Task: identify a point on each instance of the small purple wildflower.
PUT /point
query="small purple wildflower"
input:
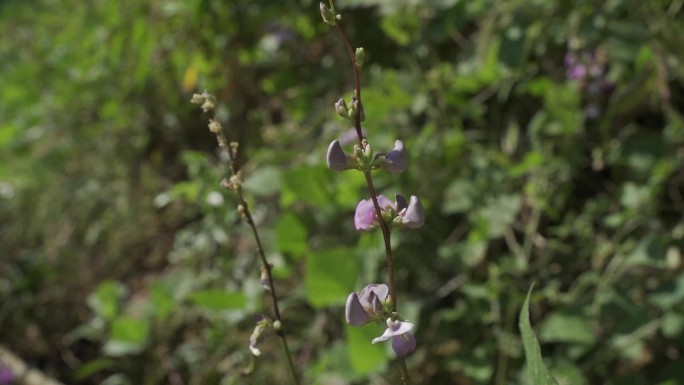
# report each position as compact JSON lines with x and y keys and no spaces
{"x":401,"y":213}
{"x":368,"y":306}
{"x":403,"y":341}
{"x":588,"y":70}
{"x":413,"y":216}
{"x":361,"y":308}
{"x":337,"y":159}
{"x":365,"y":217}
{"x":396,"y":160}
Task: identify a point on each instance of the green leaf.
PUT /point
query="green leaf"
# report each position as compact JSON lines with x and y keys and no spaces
{"x":330,"y":276}
{"x":128,"y":335}
{"x":292,"y":236}
{"x":365,"y":357}
{"x":537,"y":373}
{"x":88,"y":369}
{"x":264,"y":181}
{"x":560,"y":327}
{"x":162,"y":302}
{"x":307,"y":184}
{"x":213,"y":299}
{"x":105,"y":300}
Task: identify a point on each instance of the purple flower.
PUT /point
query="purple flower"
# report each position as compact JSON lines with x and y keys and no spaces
{"x":396,"y":160}
{"x":403,"y":341}
{"x":361,"y":308}
{"x":411,"y":215}
{"x":404,"y":344}
{"x":365,"y":217}
{"x":337,"y":159}
{"x":6,"y":376}
{"x":402,"y":213}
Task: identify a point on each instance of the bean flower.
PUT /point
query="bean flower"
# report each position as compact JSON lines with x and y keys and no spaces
{"x":402,"y":213}
{"x":369,"y":305}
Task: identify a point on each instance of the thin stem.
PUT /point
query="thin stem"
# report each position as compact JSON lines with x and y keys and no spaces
{"x":243,"y":209}
{"x":386,"y":235}
{"x":369,"y":179}
{"x":404,"y":371}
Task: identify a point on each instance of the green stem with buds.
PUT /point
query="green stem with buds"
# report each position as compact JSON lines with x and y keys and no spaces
{"x":371,"y":188}
{"x":235,"y":184}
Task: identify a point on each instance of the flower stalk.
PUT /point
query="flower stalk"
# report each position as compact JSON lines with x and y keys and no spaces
{"x":234,"y":183}
{"x":404,"y":343}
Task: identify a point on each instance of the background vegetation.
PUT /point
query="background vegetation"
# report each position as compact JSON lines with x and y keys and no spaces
{"x":123,"y":262}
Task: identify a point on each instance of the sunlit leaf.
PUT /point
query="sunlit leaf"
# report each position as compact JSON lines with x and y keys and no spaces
{"x":330,"y":276}
{"x":218,"y":299}
{"x":537,"y":372}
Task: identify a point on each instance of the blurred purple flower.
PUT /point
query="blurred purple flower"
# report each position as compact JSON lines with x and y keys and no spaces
{"x":574,"y":69}
{"x":403,"y":341}
{"x":6,"y":376}
{"x":589,"y":70}
{"x":362,"y":307}
{"x":350,"y":136}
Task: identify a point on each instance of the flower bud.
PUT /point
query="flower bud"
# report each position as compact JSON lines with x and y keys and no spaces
{"x":360,"y":56}
{"x":357,"y":106}
{"x":341,"y":108}
{"x":214,"y":126}
{"x":327,"y":14}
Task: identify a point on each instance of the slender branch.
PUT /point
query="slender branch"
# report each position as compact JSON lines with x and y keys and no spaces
{"x":235,"y":184}
{"x":246,"y":214}
{"x":386,"y":235}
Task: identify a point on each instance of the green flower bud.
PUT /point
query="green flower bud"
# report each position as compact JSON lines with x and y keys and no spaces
{"x":328,"y":15}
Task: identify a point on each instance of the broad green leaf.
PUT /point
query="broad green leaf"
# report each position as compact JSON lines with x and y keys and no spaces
{"x":364,"y":356}
{"x":307,"y":184}
{"x":291,"y":236}
{"x":264,"y":181}
{"x":330,"y":276}
{"x":105,"y":300}
{"x":213,"y":299}
{"x":127,"y":336}
{"x":537,"y":373}
{"x":92,"y":367}
{"x":560,"y":327}
{"x":162,"y":302}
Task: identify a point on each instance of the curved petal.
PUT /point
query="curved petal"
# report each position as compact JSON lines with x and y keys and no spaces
{"x":404,"y":344}
{"x":394,"y":328}
{"x":364,"y":216}
{"x":355,"y":313}
{"x":336,"y":158}
{"x":372,"y":295}
{"x":415,"y":214}
{"x":401,"y":202}
{"x":384,"y":202}
{"x":396,"y":160}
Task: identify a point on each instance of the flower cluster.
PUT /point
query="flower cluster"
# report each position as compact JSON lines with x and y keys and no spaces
{"x":588,"y":69}
{"x":371,"y":305}
{"x":398,"y":213}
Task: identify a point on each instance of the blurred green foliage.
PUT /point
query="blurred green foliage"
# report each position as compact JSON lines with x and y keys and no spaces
{"x":123,"y":262}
